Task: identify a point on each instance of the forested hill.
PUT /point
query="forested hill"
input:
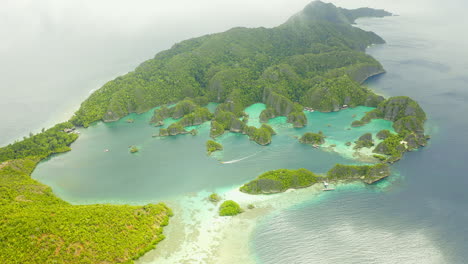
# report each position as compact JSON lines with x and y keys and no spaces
{"x":312,"y":49}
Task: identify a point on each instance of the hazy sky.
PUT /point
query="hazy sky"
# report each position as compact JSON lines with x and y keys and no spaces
{"x":53,"y":52}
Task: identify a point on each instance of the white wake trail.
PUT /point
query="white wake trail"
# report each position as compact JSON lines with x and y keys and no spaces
{"x":237,"y":160}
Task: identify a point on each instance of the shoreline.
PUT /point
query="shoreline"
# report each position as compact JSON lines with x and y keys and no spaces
{"x":197,"y":234}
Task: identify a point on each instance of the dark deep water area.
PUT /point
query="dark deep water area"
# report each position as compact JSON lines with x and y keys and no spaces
{"x":421,"y":218}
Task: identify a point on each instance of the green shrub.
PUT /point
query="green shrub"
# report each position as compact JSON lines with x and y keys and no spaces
{"x":214,"y":197}
{"x":229,"y":208}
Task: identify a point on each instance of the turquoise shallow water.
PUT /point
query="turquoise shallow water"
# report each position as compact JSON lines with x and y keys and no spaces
{"x":167,"y":167}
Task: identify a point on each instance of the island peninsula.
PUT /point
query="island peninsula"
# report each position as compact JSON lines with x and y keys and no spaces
{"x":313,"y":61}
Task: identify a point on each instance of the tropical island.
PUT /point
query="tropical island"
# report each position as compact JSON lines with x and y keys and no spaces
{"x":281,"y":180}
{"x":315,"y":60}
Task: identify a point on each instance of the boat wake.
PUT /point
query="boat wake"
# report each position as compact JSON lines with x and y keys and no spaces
{"x":237,"y":160}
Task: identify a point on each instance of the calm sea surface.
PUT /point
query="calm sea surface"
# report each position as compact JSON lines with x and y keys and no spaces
{"x":421,"y":218}
{"x":100,"y":168}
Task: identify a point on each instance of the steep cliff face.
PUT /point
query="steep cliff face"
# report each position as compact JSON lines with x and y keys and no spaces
{"x":398,"y":107}
{"x":413,"y":141}
{"x":331,"y":94}
{"x":361,"y":72}
{"x":199,"y":116}
{"x":279,"y":105}
{"x":409,"y":119}
{"x":160,"y":114}
{"x":181,"y":109}
{"x":383,"y":134}
{"x":406,"y":114}
{"x":409,"y":124}
{"x":267,"y":114}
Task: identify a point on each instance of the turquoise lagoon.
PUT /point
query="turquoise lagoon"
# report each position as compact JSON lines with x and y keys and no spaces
{"x":168,"y":167}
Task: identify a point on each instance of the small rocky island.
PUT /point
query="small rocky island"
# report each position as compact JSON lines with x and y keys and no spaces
{"x":212,"y":146}
{"x":364,"y":141}
{"x":312,"y":138}
{"x":278,"y":181}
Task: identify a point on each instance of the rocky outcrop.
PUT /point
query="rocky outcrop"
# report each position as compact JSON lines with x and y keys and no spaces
{"x":181,"y":109}
{"x":267,"y":114}
{"x":383,"y":134}
{"x":358,"y":123}
{"x":279,"y":105}
{"x":225,"y":121}
{"x":408,"y":121}
{"x":394,"y":146}
{"x":160,"y":114}
{"x":395,"y":108}
{"x":366,"y":174}
{"x":298,"y":119}
{"x":364,"y":141}
{"x":409,"y":124}
{"x":312,"y":138}
{"x":261,"y":136}
{"x":373,"y":100}
{"x":328,"y":95}
{"x":199,"y":116}
{"x":217,"y":129}
{"x":361,"y":72}
{"x":414,"y":141}
{"x":212,"y":146}
{"x":174,"y":130}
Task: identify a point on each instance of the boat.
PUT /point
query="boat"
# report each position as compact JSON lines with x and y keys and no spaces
{"x":325,"y":184}
{"x":106,"y":150}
